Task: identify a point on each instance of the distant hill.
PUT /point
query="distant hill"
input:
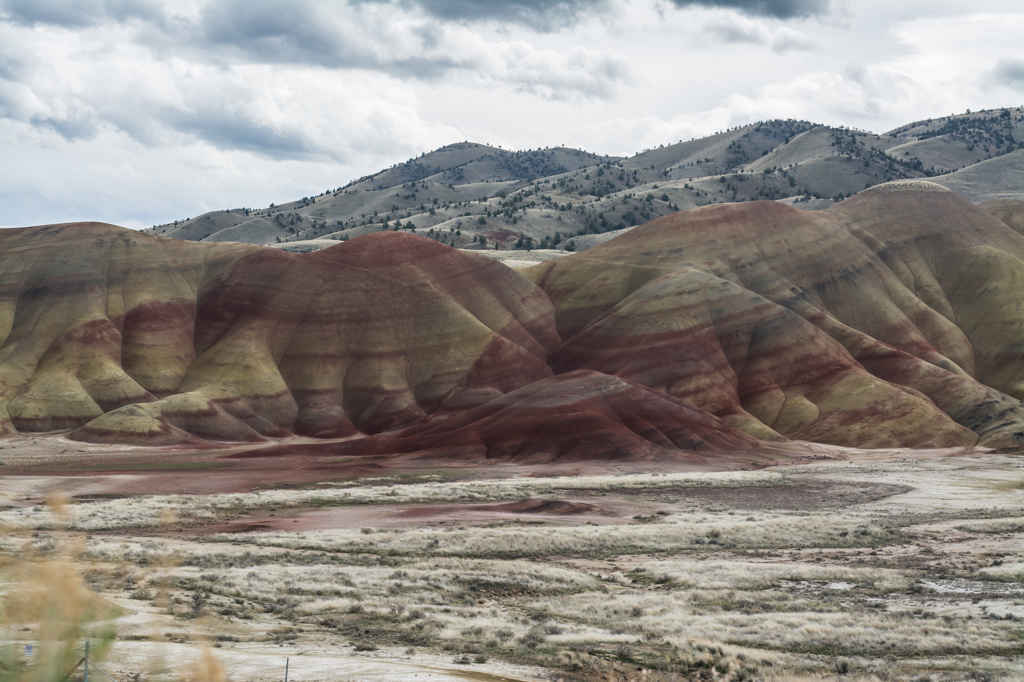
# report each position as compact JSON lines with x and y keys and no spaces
{"x":474,"y":196}
{"x":998,"y":178}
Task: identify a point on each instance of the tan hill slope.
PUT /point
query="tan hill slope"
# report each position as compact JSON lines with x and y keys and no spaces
{"x":891,"y":319}
{"x":988,"y":180}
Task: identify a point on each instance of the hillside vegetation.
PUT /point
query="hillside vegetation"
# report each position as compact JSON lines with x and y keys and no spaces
{"x":474,"y":196}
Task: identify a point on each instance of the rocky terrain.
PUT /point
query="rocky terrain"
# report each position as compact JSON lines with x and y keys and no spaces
{"x":892,"y":319}
{"x":474,"y":196}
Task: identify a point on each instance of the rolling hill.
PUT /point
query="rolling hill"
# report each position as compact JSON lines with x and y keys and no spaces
{"x":478,"y":197}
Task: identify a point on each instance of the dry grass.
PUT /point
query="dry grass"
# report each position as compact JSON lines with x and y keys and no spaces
{"x":49,"y":603}
{"x":673,"y":533}
{"x":43,"y":594}
{"x":876,"y":590}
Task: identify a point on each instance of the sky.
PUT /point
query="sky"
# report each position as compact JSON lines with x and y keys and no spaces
{"x":140,"y":112}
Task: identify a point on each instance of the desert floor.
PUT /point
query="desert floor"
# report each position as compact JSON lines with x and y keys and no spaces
{"x":846,"y":564}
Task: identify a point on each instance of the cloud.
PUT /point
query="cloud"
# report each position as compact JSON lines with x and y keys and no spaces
{"x":362,"y":35}
{"x":80,"y":84}
{"x":79,"y":13}
{"x":321,"y":82}
{"x":112,"y":177}
{"x":403,"y":38}
{"x":267,"y":19}
{"x":540,"y":15}
{"x":1009,"y":71}
{"x":731,"y":28}
{"x":786,"y":39}
{"x":779,"y":9}
{"x":548,"y":15}
{"x":854,"y":95}
{"x":387,"y":37}
{"x":231,"y":129}
{"x":579,"y":74}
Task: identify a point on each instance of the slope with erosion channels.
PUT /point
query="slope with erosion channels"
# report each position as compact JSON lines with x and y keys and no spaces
{"x":128,"y":337}
{"x":891,"y":319}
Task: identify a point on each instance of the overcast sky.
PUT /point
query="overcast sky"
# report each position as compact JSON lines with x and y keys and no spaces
{"x":138,"y":112}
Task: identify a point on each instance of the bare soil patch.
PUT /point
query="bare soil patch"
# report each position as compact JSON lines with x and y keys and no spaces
{"x":397,"y":516}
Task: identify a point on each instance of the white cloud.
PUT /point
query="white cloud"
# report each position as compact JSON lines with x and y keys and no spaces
{"x":580,"y":73}
{"x":735,"y":28}
{"x":114,"y":178}
{"x":786,"y":39}
{"x":947,"y":65}
{"x":730,"y":27}
{"x":80,"y":82}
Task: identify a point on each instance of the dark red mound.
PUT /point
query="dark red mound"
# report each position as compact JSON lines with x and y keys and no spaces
{"x":578,"y":416}
{"x":551,"y":507}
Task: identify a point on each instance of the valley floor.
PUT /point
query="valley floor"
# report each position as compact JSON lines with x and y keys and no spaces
{"x":854,"y":565}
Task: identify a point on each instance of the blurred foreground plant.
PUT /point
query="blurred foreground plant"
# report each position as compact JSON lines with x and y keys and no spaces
{"x":44,"y":602}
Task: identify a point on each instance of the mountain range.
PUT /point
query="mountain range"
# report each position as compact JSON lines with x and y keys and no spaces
{"x":474,"y":196}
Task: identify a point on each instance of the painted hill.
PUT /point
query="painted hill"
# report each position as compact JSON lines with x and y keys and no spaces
{"x":478,"y":197}
{"x":890,"y":319}
{"x":142,"y":339}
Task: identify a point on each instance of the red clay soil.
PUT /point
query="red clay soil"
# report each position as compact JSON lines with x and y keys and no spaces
{"x":376,"y":516}
{"x":96,"y":470}
{"x":552,"y":507}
